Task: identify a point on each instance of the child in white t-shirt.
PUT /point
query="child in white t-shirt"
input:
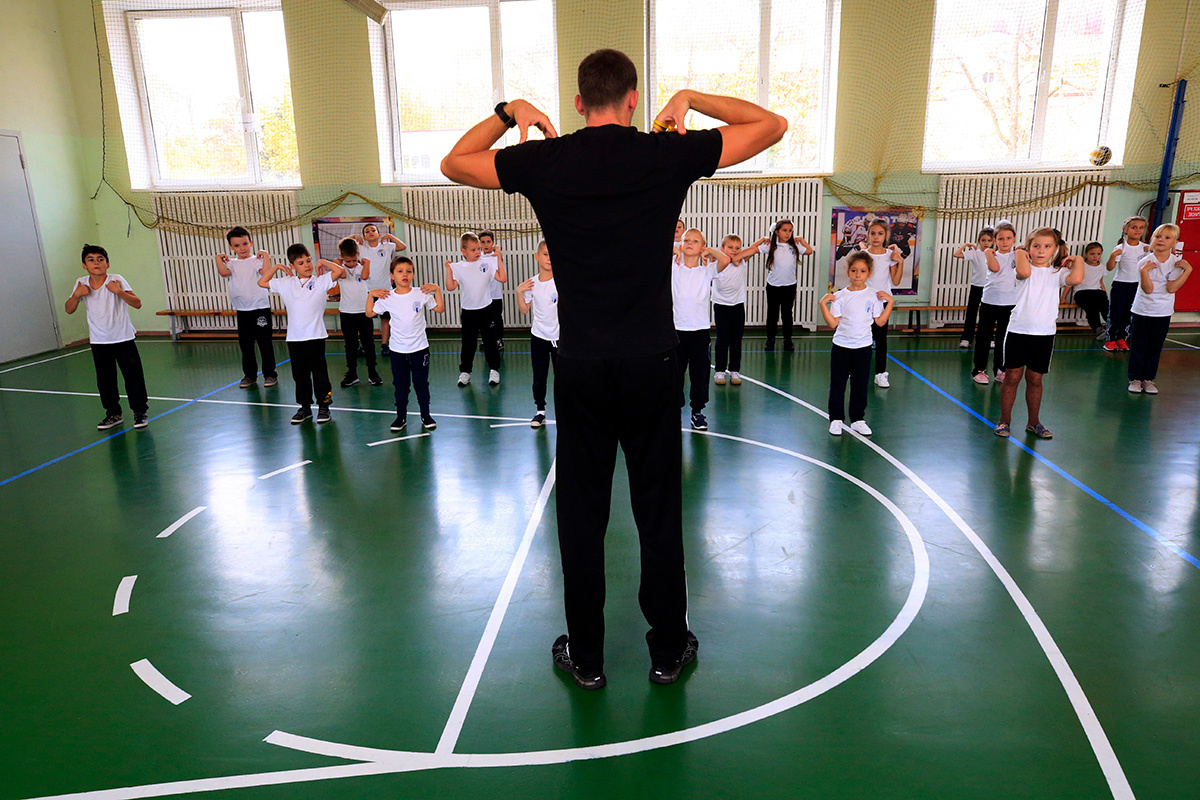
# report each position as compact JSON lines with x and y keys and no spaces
{"x":379,"y":248}
{"x":304,"y":292}
{"x":996,"y":303}
{"x":409,"y":346}
{"x":886,"y":272}
{"x":729,"y":310}
{"x":487,"y":241}
{"x":106,"y":297}
{"x":251,"y":303}
{"x":783,"y":256}
{"x":358,"y":332}
{"x":1089,"y":294}
{"x":1161,"y":274}
{"x":977,"y":261}
{"x":475,"y":275}
{"x":692,"y":273}
{"x":1042,"y":269}
{"x":540,"y":295}
{"x":1124,"y":258}
{"x":852,"y":312}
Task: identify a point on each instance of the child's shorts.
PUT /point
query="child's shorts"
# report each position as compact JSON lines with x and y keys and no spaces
{"x":1029,"y":351}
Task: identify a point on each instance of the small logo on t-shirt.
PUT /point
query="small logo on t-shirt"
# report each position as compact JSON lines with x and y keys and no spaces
{"x":553,"y":298}
{"x":416,"y":306}
{"x":483,"y":267}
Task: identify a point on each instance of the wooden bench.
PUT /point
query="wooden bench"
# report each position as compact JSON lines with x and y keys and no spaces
{"x":914,"y":313}
{"x":174,"y":313}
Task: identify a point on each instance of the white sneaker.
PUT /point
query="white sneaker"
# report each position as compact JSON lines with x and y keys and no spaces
{"x":464,"y":378}
{"x":860,"y":427}
{"x":1135,"y":387}
{"x":963,"y":344}
{"x":735,"y":378}
{"x":1149,"y":388}
{"x":835,"y":427}
{"x":719,"y":379}
{"x":999,"y":376}
{"x":881,"y":380}
{"x":494,"y":378}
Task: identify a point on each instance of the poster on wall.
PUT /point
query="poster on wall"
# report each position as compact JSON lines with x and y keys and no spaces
{"x":849,"y":232}
{"x":328,"y":231}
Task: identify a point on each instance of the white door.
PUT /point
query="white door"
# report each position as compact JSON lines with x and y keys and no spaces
{"x":27,"y":321}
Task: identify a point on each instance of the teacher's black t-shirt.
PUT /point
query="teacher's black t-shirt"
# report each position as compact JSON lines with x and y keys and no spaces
{"x":607,"y":199}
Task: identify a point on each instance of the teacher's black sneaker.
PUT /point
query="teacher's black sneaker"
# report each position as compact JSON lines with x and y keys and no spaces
{"x":111,"y":421}
{"x":769,"y":346}
{"x":539,"y":419}
{"x":305,"y":413}
{"x":699,"y":423}
{"x":373,"y":378}
{"x":427,"y":423}
{"x":669,"y":673}
{"x":399,"y":423}
{"x":350,"y":380}
{"x":561,"y":653}
{"x":323,"y":414}
{"x":141,"y":420}
{"x":270,"y":380}
{"x":246,"y":383}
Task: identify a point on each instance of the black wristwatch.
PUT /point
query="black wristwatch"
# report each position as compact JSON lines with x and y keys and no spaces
{"x":508,"y":121}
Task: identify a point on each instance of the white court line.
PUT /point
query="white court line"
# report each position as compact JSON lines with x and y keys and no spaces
{"x":45,"y":360}
{"x":158,"y":682}
{"x":1185,"y":344}
{"x":1118,"y":784}
{"x":397,"y":439}
{"x":285,"y":469}
{"x":517,"y":424}
{"x":466,"y":694}
{"x":177,"y":524}
{"x":124,"y":590}
{"x":89,"y":394}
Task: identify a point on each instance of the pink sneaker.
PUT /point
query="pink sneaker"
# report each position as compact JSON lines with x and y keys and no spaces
{"x":981,"y":378}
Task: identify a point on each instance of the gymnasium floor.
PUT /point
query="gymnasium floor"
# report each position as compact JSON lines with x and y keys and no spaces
{"x":934,"y":613}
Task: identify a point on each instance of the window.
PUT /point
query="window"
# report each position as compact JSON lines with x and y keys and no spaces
{"x":205,"y":95}
{"x":787,"y":62}
{"x":1030,"y":83}
{"x":446,"y":65}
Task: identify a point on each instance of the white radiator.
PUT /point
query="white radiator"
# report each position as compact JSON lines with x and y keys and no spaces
{"x":714,"y":208}
{"x":1079,"y":217}
{"x":189,"y":272}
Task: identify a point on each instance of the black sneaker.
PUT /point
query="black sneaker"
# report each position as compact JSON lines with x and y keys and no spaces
{"x":305,"y":413}
{"x":110,"y":421}
{"x":770,"y":345}
{"x":374,"y":379}
{"x":789,"y":346}
{"x":561,"y":654}
{"x":399,"y":423}
{"x":539,"y":419}
{"x":428,"y":423}
{"x":246,"y":383}
{"x":270,"y":380}
{"x":141,"y":420}
{"x":323,"y":414}
{"x":699,"y":423}
{"x":350,"y":380}
{"x":669,"y":673}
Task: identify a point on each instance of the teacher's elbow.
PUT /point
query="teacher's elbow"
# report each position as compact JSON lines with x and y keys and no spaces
{"x":781,"y":126}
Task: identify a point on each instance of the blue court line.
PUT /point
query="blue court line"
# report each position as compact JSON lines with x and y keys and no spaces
{"x":1137,"y":523}
{"x":122,"y":432}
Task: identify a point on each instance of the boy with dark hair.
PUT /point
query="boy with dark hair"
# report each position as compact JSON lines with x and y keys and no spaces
{"x":251,"y":303}
{"x":107,"y":299}
{"x":358,"y":332}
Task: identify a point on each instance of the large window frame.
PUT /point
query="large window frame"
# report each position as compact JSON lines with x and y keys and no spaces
{"x":387,"y":93}
{"x":129,"y":73}
{"x":827,"y":104}
{"x":1118,"y":88}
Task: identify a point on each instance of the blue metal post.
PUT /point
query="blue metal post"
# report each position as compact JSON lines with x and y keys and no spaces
{"x":1164,"y":180}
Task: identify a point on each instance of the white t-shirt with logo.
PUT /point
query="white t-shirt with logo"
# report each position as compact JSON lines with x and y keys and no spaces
{"x":729,"y":285}
{"x":305,"y":303}
{"x":1036,"y":310}
{"x":855,"y":311}
{"x":1160,"y":302}
{"x":244,"y":292}
{"x":1093,"y":278}
{"x":380,"y":258}
{"x":880,"y":279}
{"x":783,"y":267}
{"x":691,"y":288}
{"x":1001,"y":288}
{"x":543,"y":300}
{"x":107,"y":315}
{"x":979,"y":269}
{"x":496,"y":288}
{"x":1127,"y":262}
{"x":354,"y":290}
{"x":408,"y":319}
{"x":475,"y":278}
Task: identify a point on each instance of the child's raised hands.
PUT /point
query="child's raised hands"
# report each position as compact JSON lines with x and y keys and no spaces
{"x":431,"y":288}
{"x":263,"y":254}
{"x":81,"y":290}
{"x":223,"y":258}
{"x":114,"y":286}
{"x":895,"y":252}
{"x":527,"y":286}
{"x":378,"y":294}
{"x":829,"y":298}
{"x":884,"y":297}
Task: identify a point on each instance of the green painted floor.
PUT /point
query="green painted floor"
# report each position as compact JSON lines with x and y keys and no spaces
{"x":928,"y":616}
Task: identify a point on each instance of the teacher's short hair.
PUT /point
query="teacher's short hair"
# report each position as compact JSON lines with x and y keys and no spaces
{"x":605,"y":78}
